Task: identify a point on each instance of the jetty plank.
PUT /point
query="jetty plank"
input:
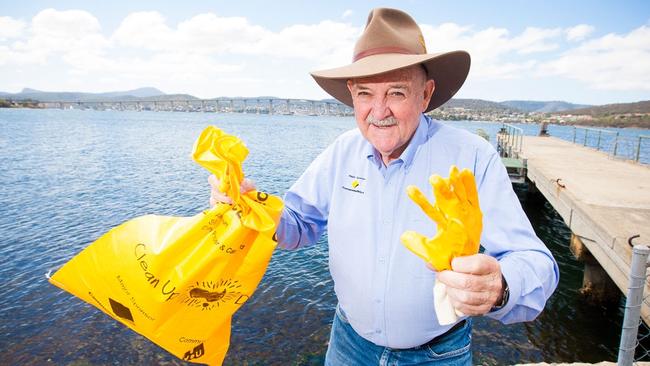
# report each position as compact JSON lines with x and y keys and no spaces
{"x":603,"y":200}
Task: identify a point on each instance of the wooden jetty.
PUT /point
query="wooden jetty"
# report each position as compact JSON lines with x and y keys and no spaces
{"x":605,"y":201}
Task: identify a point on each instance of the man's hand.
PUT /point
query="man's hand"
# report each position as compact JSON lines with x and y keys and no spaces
{"x":474,"y":284}
{"x":216,"y":196}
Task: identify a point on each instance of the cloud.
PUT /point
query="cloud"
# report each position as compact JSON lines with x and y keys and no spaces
{"x":534,"y":40}
{"x":10,"y":28}
{"x":68,"y":23}
{"x":211,"y":34}
{"x":612,"y":62}
{"x":496,"y":54}
{"x":220,"y":55}
{"x":204,"y":49}
{"x":53,"y":32}
{"x":347,"y":14}
{"x":579,"y":32}
{"x":146,"y":30}
{"x":616,"y":62}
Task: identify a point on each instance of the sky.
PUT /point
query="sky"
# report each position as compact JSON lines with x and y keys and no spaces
{"x":585,"y":52}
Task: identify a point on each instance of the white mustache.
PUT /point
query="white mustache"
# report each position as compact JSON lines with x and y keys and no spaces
{"x":388,"y":121}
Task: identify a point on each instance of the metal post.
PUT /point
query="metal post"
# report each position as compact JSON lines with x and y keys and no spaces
{"x":615,"y":143}
{"x":633,"y":305}
{"x":574,"y":134}
{"x":586,"y":132}
{"x":638,"y":150}
{"x":510,"y":137}
{"x":598,"y":146}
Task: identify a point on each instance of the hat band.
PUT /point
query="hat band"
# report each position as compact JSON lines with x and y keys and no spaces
{"x":379,"y":50}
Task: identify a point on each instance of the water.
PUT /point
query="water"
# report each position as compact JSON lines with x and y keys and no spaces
{"x":69,"y":176}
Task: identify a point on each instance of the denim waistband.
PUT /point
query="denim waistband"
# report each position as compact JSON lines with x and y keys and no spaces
{"x":341,"y":314}
{"x":437,"y":338}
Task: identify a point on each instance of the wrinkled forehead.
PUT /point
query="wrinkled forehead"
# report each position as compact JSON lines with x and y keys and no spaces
{"x":407,"y":74}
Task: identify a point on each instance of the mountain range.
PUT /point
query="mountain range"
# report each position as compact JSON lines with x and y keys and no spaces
{"x":515,"y":106}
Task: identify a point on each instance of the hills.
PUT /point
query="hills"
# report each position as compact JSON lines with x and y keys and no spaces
{"x":621,"y":114}
{"x":614,"y":115}
{"x":528,"y":106}
{"x":610,"y":109}
{"x":150,"y":93}
{"x":44,"y":96}
{"x":542,"y":107}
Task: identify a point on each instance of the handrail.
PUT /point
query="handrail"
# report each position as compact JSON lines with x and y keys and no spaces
{"x":631,"y":152}
{"x":512,"y":137}
{"x":600,"y":133}
{"x":638,"y":147}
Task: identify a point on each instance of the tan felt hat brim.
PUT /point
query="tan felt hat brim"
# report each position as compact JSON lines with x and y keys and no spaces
{"x":449,"y":71}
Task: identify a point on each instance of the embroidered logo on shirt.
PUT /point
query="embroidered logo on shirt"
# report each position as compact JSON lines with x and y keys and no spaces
{"x":355,"y":184}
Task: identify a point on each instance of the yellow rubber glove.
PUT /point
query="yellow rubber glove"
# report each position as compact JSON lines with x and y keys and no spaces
{"x":458,"y":217}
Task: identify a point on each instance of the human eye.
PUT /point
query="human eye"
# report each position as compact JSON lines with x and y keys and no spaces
{"x":362,"y":93}
{"x":397,"y":93}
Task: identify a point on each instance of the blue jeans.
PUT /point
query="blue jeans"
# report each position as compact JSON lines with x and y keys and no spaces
{"x":346,"y":347}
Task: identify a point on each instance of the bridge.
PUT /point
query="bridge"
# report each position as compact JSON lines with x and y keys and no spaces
{"x":220,"y":105}
{"x":603,"y":199}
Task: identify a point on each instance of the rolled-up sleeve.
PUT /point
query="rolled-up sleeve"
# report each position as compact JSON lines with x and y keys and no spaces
{"x":306,"y":204}
{"x":526,"y":263}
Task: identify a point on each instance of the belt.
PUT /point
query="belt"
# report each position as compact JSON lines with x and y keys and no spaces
{"x":436,"y":339}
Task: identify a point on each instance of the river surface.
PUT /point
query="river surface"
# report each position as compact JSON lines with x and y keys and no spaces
{"x":69,"y":176}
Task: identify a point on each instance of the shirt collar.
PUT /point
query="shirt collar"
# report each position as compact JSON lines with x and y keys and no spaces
{"x":419,"y":137}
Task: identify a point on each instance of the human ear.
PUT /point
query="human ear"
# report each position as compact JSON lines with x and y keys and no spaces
{"x":350,"y":84}
{"x":429,"y":87}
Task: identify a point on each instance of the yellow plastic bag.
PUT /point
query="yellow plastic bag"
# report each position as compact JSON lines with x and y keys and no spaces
{"x":459,"y":224}
{"x":178,"y":280}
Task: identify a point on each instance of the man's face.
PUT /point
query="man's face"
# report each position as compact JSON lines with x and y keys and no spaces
{"x":387,"y":108}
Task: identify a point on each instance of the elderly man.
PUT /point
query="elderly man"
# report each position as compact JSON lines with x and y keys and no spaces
{"x":356,"y":190}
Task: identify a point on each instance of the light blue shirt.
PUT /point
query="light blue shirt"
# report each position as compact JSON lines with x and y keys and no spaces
{"x":383,"y":288}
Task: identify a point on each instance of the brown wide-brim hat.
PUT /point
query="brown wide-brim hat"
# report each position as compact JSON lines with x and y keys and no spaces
{"x":392,"y":40}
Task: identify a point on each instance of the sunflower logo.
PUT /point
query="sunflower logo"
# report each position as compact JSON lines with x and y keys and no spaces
{"x":355,"y":183}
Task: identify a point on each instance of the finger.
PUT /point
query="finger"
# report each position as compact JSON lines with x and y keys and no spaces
{"x":469,"y":297}
{"x":421,"y":200}
{"x":416,"y":243}
{"x":441,"y":190}
{"x":219,"y":197}
{"x":247,"y":185}
{"x":463,"y":298}
{"x":469,"y":183}
{"x":457,"y":184}
{"x":468,"y":283}
{"x":469,"y":309}
{"x":217,"y":184}
{"x":457,"y":280}
{"x":479,"y":264}
{"x":471,"y":302}
{"x":214,"y":182}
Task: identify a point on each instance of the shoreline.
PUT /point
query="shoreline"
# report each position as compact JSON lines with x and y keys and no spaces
{"x":643,"y":125}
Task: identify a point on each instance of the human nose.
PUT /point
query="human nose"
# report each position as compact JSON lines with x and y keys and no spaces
{"x":380,"y":109}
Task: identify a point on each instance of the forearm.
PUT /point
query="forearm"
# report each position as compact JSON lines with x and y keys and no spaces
{"x":532,"y":276}
{"x":297,"y":230}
